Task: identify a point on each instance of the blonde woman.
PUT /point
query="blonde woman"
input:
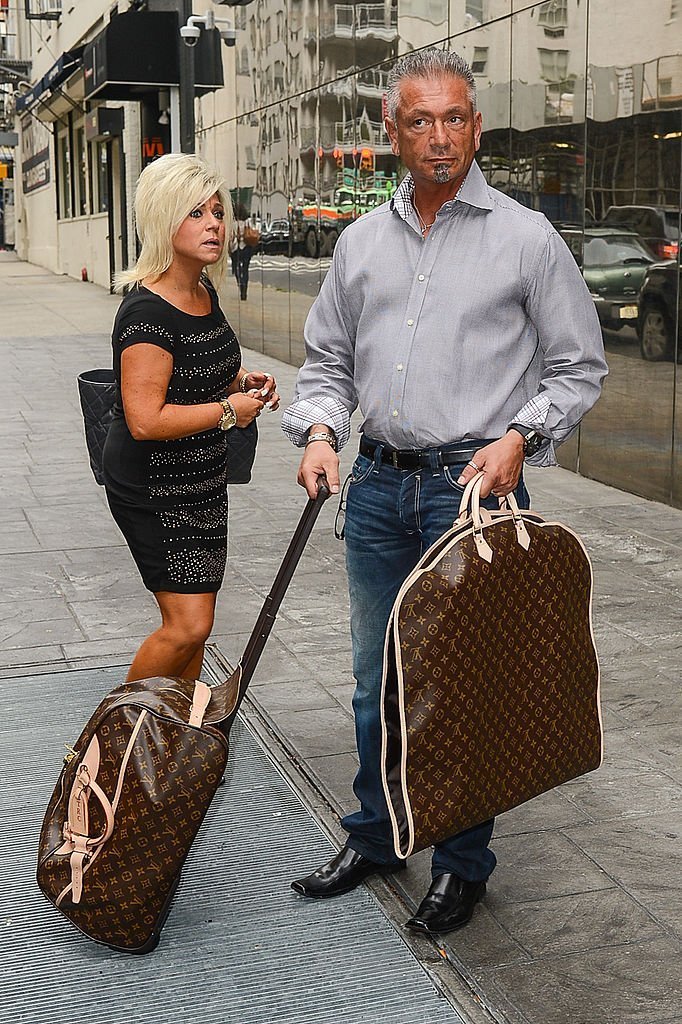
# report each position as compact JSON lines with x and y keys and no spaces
{"x":181,"y":384}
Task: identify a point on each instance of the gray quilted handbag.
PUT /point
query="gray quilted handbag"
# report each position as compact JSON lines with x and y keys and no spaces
{"x":97,"y":390}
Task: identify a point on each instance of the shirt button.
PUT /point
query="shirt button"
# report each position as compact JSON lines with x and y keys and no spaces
{"x":399,"y":366}
{"x":395,"y":412}
{"x":410,"y":323}
{"x":421,"y":277}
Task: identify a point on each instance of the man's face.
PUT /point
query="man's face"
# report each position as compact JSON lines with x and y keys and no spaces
{"x":436,"y":133}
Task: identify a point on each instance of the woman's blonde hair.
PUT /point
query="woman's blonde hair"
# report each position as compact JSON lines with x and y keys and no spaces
{"x":167,"y":191}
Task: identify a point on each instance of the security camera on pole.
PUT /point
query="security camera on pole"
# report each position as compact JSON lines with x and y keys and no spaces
{"x":182,"y":111}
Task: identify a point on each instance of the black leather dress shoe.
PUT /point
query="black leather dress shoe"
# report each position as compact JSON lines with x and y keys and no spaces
{"x":449,"y":904}
{"x":344,"y":872}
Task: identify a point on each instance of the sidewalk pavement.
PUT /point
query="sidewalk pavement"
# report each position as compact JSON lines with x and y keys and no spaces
{"x":582,"y":922}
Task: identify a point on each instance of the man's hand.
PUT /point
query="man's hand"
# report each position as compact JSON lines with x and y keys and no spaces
{"x":319,"y":457}
{"x":501,"y":462}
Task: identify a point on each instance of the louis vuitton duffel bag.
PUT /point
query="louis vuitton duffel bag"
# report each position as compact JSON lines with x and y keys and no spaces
{"x":136,"y":786}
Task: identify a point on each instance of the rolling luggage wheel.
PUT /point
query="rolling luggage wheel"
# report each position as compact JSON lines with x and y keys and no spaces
{"x":153,"y":940}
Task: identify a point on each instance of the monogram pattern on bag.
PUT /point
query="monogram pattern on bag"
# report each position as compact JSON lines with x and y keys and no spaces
{"x":500,"y":679}
{"x":172,"y":775}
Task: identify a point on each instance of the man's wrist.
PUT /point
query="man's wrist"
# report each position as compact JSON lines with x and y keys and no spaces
{"x":520,"y":428}
{"x":515,"y":435}
{"x":321,"y":432}
{"x":532,"y":441}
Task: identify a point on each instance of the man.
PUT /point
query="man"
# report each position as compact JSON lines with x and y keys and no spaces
{"x":459,"y":322}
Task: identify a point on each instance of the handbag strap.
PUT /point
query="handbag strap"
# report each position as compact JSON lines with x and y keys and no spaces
{"x":470,"y":504}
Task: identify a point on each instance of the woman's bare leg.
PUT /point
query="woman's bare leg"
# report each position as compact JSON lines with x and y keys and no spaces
{"x":177,"y":647}
{"x":193,"y":668}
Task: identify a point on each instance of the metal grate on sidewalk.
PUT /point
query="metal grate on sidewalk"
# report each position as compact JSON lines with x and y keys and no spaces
{"x":239,"y":946}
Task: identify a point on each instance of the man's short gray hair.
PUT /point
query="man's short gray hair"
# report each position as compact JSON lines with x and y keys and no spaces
{"x":427,"y":63}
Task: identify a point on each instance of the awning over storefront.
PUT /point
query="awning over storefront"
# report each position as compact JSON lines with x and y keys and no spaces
{"x":137,"y":53}
{"x":62,"y":69}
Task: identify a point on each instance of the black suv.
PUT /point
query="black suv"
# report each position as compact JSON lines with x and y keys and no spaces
{"x":660,"y":314}
{"x":658,"y":226}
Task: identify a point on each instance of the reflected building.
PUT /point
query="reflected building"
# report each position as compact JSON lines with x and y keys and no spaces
{"x":582,"y":113}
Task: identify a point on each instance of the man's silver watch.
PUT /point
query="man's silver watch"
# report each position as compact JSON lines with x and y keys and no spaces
{"x":532,"y":441}
{"x":229,"y":416}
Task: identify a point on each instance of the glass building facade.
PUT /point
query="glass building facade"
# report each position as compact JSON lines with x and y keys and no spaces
{"x":582,"y":116}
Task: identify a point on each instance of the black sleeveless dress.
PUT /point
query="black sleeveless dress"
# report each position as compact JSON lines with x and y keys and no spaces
{"x":169,"y":498}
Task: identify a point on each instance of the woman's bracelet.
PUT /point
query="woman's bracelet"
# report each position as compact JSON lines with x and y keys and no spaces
{"x":242,"y":383}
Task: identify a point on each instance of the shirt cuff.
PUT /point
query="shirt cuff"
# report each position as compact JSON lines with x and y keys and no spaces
{"x":534,"y":413}
{"x":302,"y":415}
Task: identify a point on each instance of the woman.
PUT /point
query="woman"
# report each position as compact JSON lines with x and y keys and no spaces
{"x":177,"y":363}
{"x":242,"y":248}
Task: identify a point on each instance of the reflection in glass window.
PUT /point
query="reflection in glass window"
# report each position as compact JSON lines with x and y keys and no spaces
{"x":433,"y":11}
{"x":605,"y":252}
{"x":553,"y":16}
{"x":553,"y":64}
{"x":279,"y":77}
{"x":81,"y":173}
{"x":474,"y":8}
{"x":480,"y":60}
{"x":64,"y":170}
{"x":102,"y":177}
{"x":98,"y":177}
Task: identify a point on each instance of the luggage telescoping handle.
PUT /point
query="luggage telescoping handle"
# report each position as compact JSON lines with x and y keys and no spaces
{"x":268,"y":613}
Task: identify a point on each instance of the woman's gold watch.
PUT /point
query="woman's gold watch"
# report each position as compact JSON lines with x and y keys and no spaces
{"x":229,"y":416}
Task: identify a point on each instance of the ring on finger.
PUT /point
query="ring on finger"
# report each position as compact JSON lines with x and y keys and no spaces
{"x":472,"y":463}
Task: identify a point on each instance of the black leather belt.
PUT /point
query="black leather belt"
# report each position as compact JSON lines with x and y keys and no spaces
{"x":421,"y":458}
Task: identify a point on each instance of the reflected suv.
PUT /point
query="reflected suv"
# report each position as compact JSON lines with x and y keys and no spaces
{"x":658,"y":226}
{"x":613,"y":264}
{"x":659,"y":311}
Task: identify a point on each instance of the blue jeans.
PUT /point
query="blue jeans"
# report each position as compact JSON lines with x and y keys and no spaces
{"x":392,"y":517}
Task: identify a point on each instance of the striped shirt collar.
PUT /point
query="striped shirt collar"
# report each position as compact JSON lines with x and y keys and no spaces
{"x":473,"y":191}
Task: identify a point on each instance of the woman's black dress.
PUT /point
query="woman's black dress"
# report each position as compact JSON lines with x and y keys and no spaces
{"x":169,"y":498}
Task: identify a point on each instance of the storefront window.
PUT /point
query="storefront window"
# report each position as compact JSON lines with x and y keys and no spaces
{"x":64,"y":172}
{"x":98,"y":177}
{"x":80,"y":161}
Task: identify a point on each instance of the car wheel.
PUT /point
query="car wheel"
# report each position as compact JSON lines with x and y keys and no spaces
{"x":656,"y":338}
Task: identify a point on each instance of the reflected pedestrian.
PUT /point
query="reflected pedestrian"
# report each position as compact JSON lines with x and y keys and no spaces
{"x":244,"y":240}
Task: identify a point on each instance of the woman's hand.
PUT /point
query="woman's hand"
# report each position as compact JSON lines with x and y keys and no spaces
{"x":265,"y":385}
{"x":246,"y":408}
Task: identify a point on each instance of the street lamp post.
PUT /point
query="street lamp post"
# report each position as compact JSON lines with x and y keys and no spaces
{"x":184,"y":109}
{"x":182,"y":100}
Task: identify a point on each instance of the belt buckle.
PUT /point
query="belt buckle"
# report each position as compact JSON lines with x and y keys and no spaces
{"x":394,"y":460}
